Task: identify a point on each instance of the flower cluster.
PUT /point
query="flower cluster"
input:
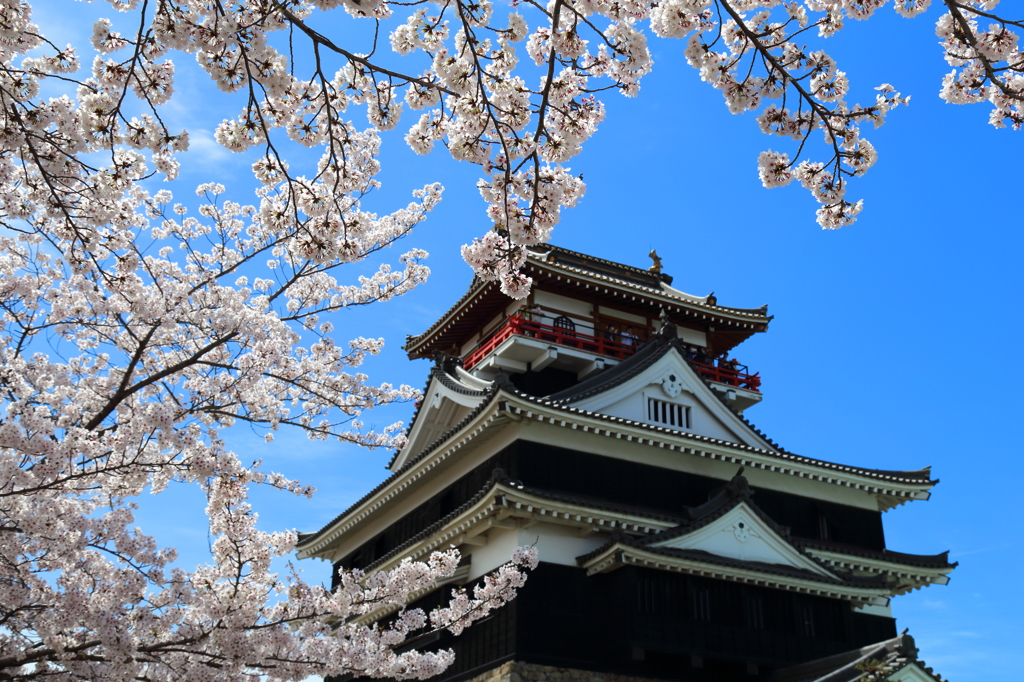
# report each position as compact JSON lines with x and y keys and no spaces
{"x":132,"y":333}
{"x":521,"y":122}
{"x":169,"y":330}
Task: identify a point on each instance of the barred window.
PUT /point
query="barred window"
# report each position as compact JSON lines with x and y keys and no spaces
{"x":700,"y":603}
{"x":669,"y":414}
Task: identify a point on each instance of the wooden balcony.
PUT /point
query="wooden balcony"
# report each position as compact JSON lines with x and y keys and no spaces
{"x":617,"y":346}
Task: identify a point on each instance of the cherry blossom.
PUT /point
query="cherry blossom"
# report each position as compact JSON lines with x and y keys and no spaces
{"x":135,"y":330}
{"x":520,"y":121}
{"x":164,"y":329}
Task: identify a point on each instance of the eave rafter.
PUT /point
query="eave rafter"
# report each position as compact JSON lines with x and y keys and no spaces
{"x":908,"y":577}
{"x":428,"y":465}
{"x":618,"y":555}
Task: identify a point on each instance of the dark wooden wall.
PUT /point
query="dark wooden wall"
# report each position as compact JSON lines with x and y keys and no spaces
{"x":647,"y":623}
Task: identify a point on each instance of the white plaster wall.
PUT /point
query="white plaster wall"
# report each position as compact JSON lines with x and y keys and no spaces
{"x":692,"y":336}
{"x":556,"y":544}
{"x":564,"y":303}
{"x":468,"y":346}
{"x":754,"y":549}
{"x":874,"y":610}
{"x":630,"y":407}
{"x":707,"y":424}
{"x":631,"y":317}
{"x":498,"y":550}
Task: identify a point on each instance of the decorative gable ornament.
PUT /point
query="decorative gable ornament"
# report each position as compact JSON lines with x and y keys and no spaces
{"x":672,"y":385}
{"x":742,"y":531}
{"x":741,"y":534}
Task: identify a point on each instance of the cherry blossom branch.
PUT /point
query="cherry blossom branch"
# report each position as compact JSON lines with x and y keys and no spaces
{"x":967,"y":35}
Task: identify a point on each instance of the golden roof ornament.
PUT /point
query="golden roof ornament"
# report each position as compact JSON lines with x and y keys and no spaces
{"x":656,"y":268}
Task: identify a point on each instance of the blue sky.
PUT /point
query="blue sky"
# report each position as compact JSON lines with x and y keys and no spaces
{"x":895,"y":343}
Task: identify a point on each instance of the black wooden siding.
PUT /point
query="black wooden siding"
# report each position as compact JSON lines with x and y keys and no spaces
{"x":648,"y":623}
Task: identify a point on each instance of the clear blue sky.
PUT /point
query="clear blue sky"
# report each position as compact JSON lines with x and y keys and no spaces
{"x":896,"y":342}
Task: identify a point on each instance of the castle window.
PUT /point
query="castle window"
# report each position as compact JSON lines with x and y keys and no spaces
{"x":805,"y":619}
{"x":669,"y":414}
{"x":754,"y":612}
{"x":701,"y":603}
{"x":823,"y":527}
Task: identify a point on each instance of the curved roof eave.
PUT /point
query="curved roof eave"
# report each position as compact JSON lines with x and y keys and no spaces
{"x":308,"y":539}
{"x":500,"y":393}
{"x":663,"y":294}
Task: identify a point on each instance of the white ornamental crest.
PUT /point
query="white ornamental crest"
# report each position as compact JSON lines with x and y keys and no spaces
{"x":671,"y":385}
{"x":742,"y":530}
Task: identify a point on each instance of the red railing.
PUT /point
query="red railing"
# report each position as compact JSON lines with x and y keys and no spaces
{"x":727,"y":376}
{"x":522,"y":326}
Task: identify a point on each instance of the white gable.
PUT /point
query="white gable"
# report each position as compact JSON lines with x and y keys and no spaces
{"x":442,"y":409}
{"x":670,"y":381}
{"x":741,"y":534}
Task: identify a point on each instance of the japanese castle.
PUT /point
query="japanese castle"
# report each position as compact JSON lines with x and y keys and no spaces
{"x":604,"y":421}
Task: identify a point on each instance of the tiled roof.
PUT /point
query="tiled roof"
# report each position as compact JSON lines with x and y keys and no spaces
{"x":499,"y":476}
{"x":916,"y":560}
{"x":602,"y":505}
{"x":555,"y":259}
{"x":491,"y":487}
{"x":877,"y":582}
{"x":735,"y":492}
{"x":650,"y":352}
{"x":920,"y":477}
{"x":598,"y":266}
{"x":894,"y":655}
{"x":309,"y":537}
{"x":475,"y":286}
{"x":502,"y":384}
{"x":443,"y":364}
{"x":632,"y":278}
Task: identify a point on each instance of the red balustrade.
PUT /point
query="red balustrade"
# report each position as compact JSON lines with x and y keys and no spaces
{"x":730,"y":377}
{"x":522,"y":326}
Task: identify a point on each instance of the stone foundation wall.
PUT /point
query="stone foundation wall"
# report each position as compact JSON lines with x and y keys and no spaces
{"x":514,"y":671}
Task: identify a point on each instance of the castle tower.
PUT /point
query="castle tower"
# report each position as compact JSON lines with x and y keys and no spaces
{"x":603,"y":420}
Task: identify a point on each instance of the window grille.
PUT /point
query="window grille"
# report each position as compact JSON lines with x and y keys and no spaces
{"x":701,"y":603}
{"x":565,"y":324}
{"x":670,"y":414}
{"x":754,"y":612}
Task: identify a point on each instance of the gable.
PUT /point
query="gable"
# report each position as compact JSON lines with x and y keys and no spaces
{"x":742,"y":534}
{"x":442,"y":409}
{"x":669,"y":393}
